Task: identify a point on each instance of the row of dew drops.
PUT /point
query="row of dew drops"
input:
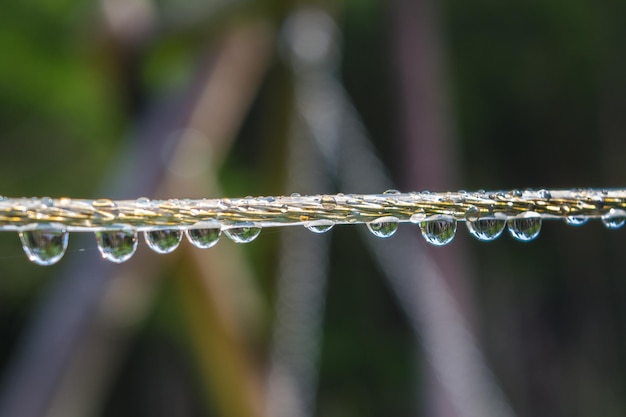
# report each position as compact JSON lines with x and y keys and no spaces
{"x":46,"y":246}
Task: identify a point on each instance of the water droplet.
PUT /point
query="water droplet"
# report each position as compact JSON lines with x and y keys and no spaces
{"x":320,"y":226}
{"x":526,"y":228}
{"x":204,"y":238}
{"x":576,"y":220}
{"x":328,"y":202}
{"x":103,"y":203}
{"x":545,"y":194}
{"x":47,"y":202}
{"x":517,"y":193}
{"x":44,"y":246}
{"x":143,"y":202}
{"x":296,"y":195}
{"x":486,"y":228}
{"x":105,"y":208}
{"x":472,"y":213}
{"x":284,"y":208}
{"x":243,"y":233}
{"x":384,"y":226}
{"x":439,"y":231}
{"x":163,"y":240}
{"x":598,"y":202}
{"x":418,"y":216}
{"x":391,"y":191}
{"x":117,"y":245}
{"x":614,"y":219}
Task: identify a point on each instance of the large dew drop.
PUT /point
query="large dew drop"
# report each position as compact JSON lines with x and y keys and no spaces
{"x":44,"y":246}
{"x":384,"y":226}
{"x":614,"y":219}
{"x":163,"y":240}
{"x":440,"y":231}
{"x":486,"y":229}
{"x":320,"y":226}
{"x":204,"y":238}
{"x":243,"y":233}
{"x":117,"y":245}
{"x":525,"y":229}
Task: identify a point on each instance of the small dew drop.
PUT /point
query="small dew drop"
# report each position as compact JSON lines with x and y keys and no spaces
{"x":243,"y":233}
{"x":44,"y":246}
{"x":384,"y":226}
{"x":204,"y":238}
{"x":472,"y":213}
{"x":576,"y":220}
{"x":163,"y":240}
{"x":47,"y":202}
{"x":418,"y":216}
{"x":440,"y":231}
{"x":143,"y":202}
{"x":320,"y":226}
{"x":117,"y":245}
{"x":486,"y":228}
{"x":328,"y":202}
{"x":614,"y":219}
{"x":545,"y":194}
{"x":103,"y":203}
{"x":105,"y":208}
{"x":392,"y":191}
{"x":525,"y":229}
{"x":296,"y":195}
{"x":517,"y":193}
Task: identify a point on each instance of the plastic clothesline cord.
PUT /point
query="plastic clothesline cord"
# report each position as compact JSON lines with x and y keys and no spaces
{"x":80,"y":215}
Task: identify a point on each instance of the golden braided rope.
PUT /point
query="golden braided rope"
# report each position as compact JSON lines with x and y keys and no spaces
{"x":79,"y":215}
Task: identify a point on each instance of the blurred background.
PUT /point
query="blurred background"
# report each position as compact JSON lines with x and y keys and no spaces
{"x":214,"y":98}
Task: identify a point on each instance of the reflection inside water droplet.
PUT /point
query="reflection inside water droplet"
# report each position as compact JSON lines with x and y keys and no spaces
{"x":204,"y":238}
{"x":526,"y":228}
{"x":486,"y":228}
{"x":44,"y":246}
{"x":117,"y":245}
{"x":384,"y":226}
{"x":319,"y":226}
{"x":163,"y":240}
{"x":576,"y":220}
{"x":243,"y":233}
{"x":614,"y":219}
{"x":439,"y":231}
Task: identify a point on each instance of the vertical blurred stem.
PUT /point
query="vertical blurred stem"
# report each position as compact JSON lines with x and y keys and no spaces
{"x":220,"y":354}
{"x":429,"y":160}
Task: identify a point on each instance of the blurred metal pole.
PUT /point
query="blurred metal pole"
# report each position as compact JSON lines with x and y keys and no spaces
{"x":301,"y":281}
{"x":434,"y":314}
{"x":425,"y":147}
